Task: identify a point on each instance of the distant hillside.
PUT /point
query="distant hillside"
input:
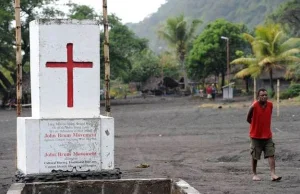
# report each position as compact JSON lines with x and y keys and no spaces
{"x":250,"y":12}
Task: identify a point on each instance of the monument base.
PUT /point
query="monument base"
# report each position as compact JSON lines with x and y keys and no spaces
{"x":128,"y":186}
{"x":64,"y":176}
{"x":69,"y":145}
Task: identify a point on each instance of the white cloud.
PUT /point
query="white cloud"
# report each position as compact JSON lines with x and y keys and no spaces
{"x":127,"y":10}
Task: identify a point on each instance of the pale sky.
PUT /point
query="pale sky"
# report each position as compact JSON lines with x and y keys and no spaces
{"x":128,"y":10}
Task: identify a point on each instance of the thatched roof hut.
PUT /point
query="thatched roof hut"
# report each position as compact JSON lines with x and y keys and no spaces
{"x":170,"y":83}
{"x":151,"y":84}
{"x":156,"y":83}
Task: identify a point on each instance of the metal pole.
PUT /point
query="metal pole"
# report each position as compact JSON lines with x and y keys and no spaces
{"x":18,"y":57}
{"x":106,"y":59}
{"x":278,"y":95}
{"x":228,"y":68}
{"x":228,"y":71}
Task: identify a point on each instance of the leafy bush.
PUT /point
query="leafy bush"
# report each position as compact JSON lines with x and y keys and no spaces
{"x":292,"y":91}
{"x":119,"y":92}
{"x":271,"y":93}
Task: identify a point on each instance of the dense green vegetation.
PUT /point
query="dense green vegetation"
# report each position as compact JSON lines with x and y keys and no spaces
{"x":292,"y":91}
{"x":248,"y":12}
{"x":272,"y":50}
{"x":209,"y":50}
{"x":30,"y":10}
{"x":179,"y":34}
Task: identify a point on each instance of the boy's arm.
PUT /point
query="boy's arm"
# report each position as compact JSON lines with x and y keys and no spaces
{"x":249,"y":115}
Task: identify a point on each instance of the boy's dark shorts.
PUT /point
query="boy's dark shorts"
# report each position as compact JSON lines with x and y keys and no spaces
{"x":262,"y":145}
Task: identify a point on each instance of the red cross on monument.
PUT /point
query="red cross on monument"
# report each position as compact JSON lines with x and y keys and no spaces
{"x":70,"y":65}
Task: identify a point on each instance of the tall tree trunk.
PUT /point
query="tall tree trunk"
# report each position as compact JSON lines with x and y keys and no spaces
{"x":182,"y":59}
{"x":223,"y":79}
{"x":246,"y":79}
{"x":271,"y":81}
{"x":185,"y":77}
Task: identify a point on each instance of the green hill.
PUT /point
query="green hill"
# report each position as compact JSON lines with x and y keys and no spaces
{"x":250,"y":12}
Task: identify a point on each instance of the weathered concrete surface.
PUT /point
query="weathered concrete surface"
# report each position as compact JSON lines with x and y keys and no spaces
{"x":17,"y":188}
{"x":126,"y":186}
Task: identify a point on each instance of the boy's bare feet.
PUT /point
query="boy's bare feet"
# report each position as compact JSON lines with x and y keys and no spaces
{"x":275,"y":178}
{"x":256,"y":178}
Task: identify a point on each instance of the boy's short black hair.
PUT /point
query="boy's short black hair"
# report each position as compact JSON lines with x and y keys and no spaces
{"x":260,"y":90}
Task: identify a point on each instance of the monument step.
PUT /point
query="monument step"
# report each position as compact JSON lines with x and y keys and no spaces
{"x":67,"y":175}
{"x":126,"y":186}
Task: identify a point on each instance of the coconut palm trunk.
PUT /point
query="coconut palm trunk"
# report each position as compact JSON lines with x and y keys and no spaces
{"x":246,"y":80}
{"x":182,"y":60}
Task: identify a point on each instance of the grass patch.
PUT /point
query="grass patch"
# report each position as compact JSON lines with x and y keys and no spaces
{"x":245,"y":104}
{"x":290,"y":102}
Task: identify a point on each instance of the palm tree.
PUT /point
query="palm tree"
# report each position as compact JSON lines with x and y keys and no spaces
{"x":178,"y":33}
{"x":271,"y":49}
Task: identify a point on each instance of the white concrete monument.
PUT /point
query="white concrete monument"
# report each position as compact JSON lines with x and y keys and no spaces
{"x":66,"y":131}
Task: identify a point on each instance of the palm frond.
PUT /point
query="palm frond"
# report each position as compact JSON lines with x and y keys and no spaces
{"x":267,"y":60}
{"x":290,"y":52}
{"x":291,"y":59}
{"x":244,"y":61}
{"x":243,"y":73}
{"x":275,"y":41}
{"x":252,"y":70}
{"x":262,"y":42}
{"x":290,"y":43}
{"x":178,"y":33}
{"x":260,"y":48}
{"x":194,"y":25}
{"x":255,"y":70}
{"x":248,"y":37}
{"x":167,"y":37}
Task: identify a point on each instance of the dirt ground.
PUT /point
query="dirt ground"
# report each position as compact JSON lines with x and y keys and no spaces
{"x":189,"y":139}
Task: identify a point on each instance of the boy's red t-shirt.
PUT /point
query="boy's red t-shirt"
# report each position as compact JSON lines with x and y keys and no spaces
{"x":260,"y":126}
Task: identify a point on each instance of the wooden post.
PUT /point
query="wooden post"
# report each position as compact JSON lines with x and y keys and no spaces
{"x":228,"y":65}
{"x":106,"y":59}
{"x":254,"y":89}
{"x":278,"y":96}
{"x":18,"y":57}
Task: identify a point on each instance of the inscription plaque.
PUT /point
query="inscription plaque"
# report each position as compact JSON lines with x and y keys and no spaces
{"x":70,"y":145}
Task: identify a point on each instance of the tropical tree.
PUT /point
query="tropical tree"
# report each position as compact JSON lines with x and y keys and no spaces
{"x":169,"y":65}
{"x":81,"y":12}
{"x":6,"y":47}
{"x":179,"y":33}
{"x":124,"y":44}
{"x":30,"y":10}
{"x":208,"y":55}
{"x":271,"y":50}
{"x":144,"y":65}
